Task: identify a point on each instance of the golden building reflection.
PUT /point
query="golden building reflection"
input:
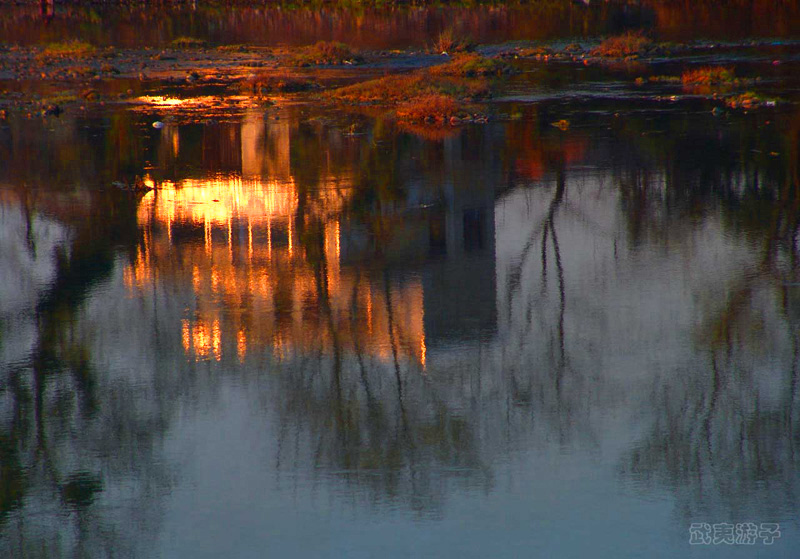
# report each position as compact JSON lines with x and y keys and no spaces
{"x":258,"y":283}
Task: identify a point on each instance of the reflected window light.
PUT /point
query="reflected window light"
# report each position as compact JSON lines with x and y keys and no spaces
{"x":241,"y":345}
{"x":216,"y":340}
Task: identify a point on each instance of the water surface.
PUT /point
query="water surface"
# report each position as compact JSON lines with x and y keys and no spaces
{"x":324,"y":335}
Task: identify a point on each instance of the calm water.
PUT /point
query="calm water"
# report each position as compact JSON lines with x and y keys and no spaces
{"x":323,"y":336}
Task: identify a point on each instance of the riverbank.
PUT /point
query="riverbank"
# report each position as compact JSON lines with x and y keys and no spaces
{"x":451,"y":82}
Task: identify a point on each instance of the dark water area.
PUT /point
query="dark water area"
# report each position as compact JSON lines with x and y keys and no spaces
{"x":399,"y":27}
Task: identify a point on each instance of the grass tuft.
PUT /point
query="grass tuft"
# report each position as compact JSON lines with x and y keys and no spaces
{"x":470,"y":65}
{"x":460,"y":78}
{"x":188,"y":43}
{"x":405,"y":87}
{"x":621,"y":46}
{"x":449,"y":41}
{"x":69,"y":48}
{"x":324,"y":52}
{"x":429,"y":108}
{"x":437,"y":95}
{"x":708,"y":75}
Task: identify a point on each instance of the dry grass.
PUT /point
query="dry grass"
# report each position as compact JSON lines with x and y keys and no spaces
{"x":450,"y":41}
{"x":324,"y":52}
{"x":188,"y":43}
{"x":429,"y":108}
{"x":540,"y":51}
{"x":233,"y":48}
{"x":621,"y":46}
{"x":69,"y":48}
{"x":709,"y":75}
{"x":470,"y":65}
{"x":430,"y":96}
{"x":405,"y":87}
{"x":460,"y":78}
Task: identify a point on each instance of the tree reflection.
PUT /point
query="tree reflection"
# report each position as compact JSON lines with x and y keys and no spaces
{"x":63,"y":419}
{"x":724,"y":435}
{"x":376,"y":422}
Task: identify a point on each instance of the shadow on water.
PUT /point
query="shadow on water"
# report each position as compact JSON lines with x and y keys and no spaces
{"x":408,"y":315}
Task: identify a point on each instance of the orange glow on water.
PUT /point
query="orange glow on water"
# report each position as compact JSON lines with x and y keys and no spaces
{"x":256,"y":277}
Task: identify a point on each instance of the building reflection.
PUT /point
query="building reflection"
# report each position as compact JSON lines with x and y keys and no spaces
{"x":278,"y":261}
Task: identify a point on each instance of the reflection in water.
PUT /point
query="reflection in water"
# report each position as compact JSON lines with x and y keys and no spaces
{"x":237,"y":242}
{"x":283,"y":262}
{"x":412,"y":323}
{"x":724,"y":436}
{"x":70,"y":432}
